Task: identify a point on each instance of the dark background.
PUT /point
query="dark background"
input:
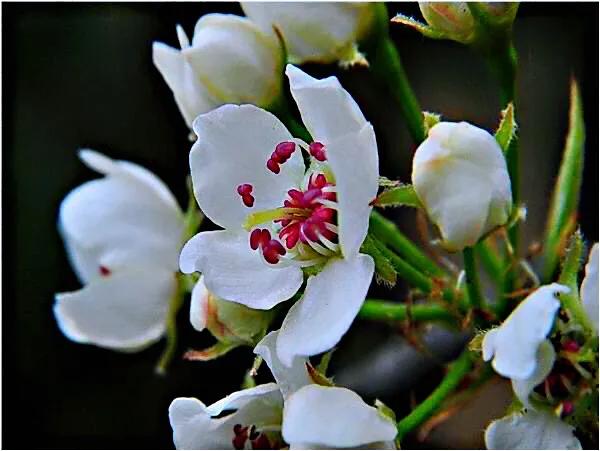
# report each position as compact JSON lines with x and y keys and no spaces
{"x":81,"y":75}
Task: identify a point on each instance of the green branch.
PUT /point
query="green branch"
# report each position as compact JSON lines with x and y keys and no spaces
{"x":380,"y":310}
{"x":457,"y":370}
{"x":473,"y":283}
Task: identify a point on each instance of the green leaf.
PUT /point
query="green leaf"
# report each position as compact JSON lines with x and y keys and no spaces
{"x":403,"y":195}
{"x":565,"y":198}
{"x":219,"y":349}
{"x":422,"y":28}
{"x":507,"y":128}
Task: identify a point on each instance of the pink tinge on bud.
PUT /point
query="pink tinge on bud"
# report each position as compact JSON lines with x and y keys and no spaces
{"x":104,"y":271}
{"x":317,"y":150}
{"x":571,"y":346}
{"x":245,"y":191}
{"x":567,"y":407}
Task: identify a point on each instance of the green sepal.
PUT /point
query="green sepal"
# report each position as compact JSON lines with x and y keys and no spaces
{"x":400,"y":196}
{"x":565,"y":198}
{"x":507,"y":128}
{"x":430,"y":120}
{"x":217,"y":350}
{"x":324,"y":363}
{"x":385,"y":411}
{"x":422,"y":28}
{"x":317,"y":377}
{"x":569,"y":277}
{"x":383,"y":267}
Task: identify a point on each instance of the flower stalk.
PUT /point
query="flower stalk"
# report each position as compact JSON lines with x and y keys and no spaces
{"x":457,"y":370}
{"x":473,"y":282}
{"x":381,"y":310}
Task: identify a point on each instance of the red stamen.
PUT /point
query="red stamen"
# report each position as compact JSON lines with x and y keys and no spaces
{"x":273,"y":166}
{"x":284,"y":150}
{"x":571,"y":346}
{"x":240,"y":436}
{"x":272,"y":251}
{"x":245,"y":190}
{"x":104,"y":271}
{"x":261,"y":442}
{"x":317,"y":150}
{"x":259,"y":238}
{"x":567,"y":407}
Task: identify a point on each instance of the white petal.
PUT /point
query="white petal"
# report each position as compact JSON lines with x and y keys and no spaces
{"x":314,"y":31}
{"x":127,"y":218}
{"x":289,"y":379}
{"x":327,"y":109}
{"x":545,"y":361}
{"x":123,"y":311}
{"x":533,"y":430}
{"x":514,"y":345}
{"x":199,"y":305}
{"x":460,"y":175}
{"x":233,"y":147}
{"x":235,"y":60}
{"x":193,"y":427}
{"x":330,"y":303}
{"x":355,"y":164}
{"x":233,"y":271}
{"x":241,"y":398}
{"x":589,"y":287}
{"x":333,"y":416}
{"x":191,"y":96}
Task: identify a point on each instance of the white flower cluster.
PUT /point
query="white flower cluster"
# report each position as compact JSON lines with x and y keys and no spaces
{"x":292,"y":216}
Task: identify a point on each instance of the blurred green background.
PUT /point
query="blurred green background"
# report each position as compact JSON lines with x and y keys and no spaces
{"x":81,"y":75}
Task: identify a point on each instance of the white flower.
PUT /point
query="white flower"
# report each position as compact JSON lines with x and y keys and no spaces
{"x":460,"y":175}
{"x":123,"y":234}
{"x":532,"y":430}
{"x":514,"y":345}
{"x":315,"y":31}
{"x":230,"y":60}
{"x":295,"y":410}
{"x":589,"y":287}
{"x":247,"y":169}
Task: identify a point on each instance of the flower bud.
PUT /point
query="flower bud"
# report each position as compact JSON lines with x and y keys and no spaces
{"x":460,"y":175}
{"x":230,"y":60}
{"x":316,"y":32}
{"x":229,"y":322}
{"x":453,"y":19}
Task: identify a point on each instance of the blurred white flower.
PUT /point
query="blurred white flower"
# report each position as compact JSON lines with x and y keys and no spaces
{"x":248,"y":171}
{"x":294,"y":410}
{"x":230,"y":60}
{"x":315,"y":31}
{"x":589,"y":287}
{"x":460,"y":176}
{"x":123,"y":233}
{"x":531,"y":430}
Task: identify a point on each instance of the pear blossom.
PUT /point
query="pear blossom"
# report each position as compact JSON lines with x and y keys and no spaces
{"x":230,"y":60}
{"x":279,"y":217}
{"x":231,"y":323}
{"x":530,"y":430}
{"x":460,"y":176}
{"x":123,"y":233}
{"x":323,"y":32}
{"x":293,"y":410}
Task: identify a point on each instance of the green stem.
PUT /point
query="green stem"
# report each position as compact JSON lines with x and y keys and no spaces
{"x":457,"y":370}
{"x":406,"y":271}
{"x":171,"y":347}
{"x":388,"y":233}
{"x":387,"y":67}
{"x":473,"y":283}
{"x":491,"y":262}
{"x":380,"y":310}
{"x":282,"y":110}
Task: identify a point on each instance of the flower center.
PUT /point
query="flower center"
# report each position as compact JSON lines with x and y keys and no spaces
{"x":303,"y":230}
